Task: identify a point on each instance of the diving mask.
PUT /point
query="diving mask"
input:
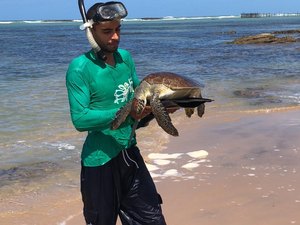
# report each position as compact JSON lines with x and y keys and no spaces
{"x":106,"y":12}
{"x":110,"y":11}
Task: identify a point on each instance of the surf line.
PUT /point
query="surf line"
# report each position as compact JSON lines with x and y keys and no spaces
{"x":69,"y":218}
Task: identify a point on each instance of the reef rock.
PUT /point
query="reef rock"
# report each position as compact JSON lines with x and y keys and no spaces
{"x":286,"y":32}
{"x":264,"y":38}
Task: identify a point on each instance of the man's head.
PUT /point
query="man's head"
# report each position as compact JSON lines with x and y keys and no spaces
{"x":107,"y":23}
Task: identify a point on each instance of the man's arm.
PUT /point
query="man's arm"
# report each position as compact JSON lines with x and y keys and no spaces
{"x":84,"y":118}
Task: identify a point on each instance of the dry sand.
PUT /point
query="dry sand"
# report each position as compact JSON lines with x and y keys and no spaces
{"x":248,"y":173}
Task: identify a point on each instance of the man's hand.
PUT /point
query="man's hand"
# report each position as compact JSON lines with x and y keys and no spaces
{"x":147,"y":110}
{"x":170,"y":107}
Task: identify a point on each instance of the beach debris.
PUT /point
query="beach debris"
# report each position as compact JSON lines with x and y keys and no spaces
{"x":164,"y":90}
{"x":264,"y":38}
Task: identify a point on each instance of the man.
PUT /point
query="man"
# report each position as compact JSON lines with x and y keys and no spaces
{"x":114,"y":178}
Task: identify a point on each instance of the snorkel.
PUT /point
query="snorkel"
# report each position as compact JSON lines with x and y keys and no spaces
{"x":88,"y":30}
{"x":105,"y":12}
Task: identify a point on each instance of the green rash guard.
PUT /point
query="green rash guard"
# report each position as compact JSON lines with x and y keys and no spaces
{"x":96,"y":91}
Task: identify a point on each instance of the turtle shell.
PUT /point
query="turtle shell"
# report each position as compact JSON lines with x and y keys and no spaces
{"x":171,"y":80}
{"x":171,"y":86}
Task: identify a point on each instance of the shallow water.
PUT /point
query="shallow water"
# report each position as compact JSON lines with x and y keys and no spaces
{"x":35,"y":126}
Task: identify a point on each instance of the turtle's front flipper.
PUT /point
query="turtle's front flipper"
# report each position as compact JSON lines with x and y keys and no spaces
{"x":121,"y":116}
{"x":162,"y":117}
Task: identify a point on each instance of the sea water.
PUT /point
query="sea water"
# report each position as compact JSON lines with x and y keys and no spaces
{"x":39,"y":147}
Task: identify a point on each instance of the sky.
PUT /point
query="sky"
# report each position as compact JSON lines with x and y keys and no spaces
{"x":68,"y":9}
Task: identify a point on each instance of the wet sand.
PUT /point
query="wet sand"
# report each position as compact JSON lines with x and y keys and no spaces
{"x":249,"y":175}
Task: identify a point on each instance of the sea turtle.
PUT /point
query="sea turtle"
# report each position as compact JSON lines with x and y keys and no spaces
{"x":164,"y":89}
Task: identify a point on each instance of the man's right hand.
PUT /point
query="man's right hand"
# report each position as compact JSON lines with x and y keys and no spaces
{"x":147,"y":110}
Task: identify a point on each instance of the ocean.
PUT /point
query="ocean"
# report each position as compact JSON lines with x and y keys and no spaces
{"x":39,"y":148}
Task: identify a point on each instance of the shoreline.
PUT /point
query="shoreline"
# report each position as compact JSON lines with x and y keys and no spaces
{"x":251,"y":169}
{"x":252,"y":172}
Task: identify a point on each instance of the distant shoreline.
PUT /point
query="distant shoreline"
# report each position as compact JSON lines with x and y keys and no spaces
{"x":242,"y":15}
{"x":262,"y":15}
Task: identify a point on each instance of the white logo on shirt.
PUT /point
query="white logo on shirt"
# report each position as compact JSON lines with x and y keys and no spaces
{"x":121,"y":94}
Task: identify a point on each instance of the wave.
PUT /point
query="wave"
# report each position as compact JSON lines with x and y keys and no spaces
{"x":39,"y":21}
{"x":32,"y":21}
{"x":6,"y":22}
{"x":181,"y":18}
{"x":271,"y":110}
{"x":198,"y":17}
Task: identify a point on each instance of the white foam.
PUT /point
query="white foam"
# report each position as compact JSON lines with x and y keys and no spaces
{"x":201,"y":154}
{"x":151,"y":167}
{"x":162,"y":162}
{"x":190,"y":165}
{"x":6,"y":22}
{"x":65,"y":222}
{"x":155,"y":175}
{"x":65,"y":146}
{"x":171,"y":172}
{"x":190,"y":178}
{"x":203,"y":160}
{"x":164,"y":155}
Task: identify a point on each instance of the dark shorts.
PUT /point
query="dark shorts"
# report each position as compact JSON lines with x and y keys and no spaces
{"x":121,"y":187}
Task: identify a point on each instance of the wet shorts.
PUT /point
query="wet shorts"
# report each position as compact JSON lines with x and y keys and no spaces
{"x":121,"y":187}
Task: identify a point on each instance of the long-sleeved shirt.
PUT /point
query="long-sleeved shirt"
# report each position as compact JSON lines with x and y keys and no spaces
{"x":96,"y":91}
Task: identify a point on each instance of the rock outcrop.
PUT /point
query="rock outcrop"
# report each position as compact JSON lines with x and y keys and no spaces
{"x":286,"y":32}
{"x":266,"y":38}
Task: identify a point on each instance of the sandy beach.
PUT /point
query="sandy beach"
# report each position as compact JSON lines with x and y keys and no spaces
{"x":227,"y":168}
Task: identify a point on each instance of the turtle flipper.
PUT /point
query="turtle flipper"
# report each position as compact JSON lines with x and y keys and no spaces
{"x":162,"y":117}
{"x":121,"y":116}
{"x":200,"y":110}
{"x":189,"y":112}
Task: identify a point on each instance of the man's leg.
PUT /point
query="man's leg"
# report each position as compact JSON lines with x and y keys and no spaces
{"x":142,"y":204}
{"x":98,"y":195}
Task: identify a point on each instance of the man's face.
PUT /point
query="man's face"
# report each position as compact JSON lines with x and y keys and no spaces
{"x":107,"y":35}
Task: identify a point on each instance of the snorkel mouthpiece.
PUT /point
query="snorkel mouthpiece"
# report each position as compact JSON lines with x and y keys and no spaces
{"x":105,"y":12}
